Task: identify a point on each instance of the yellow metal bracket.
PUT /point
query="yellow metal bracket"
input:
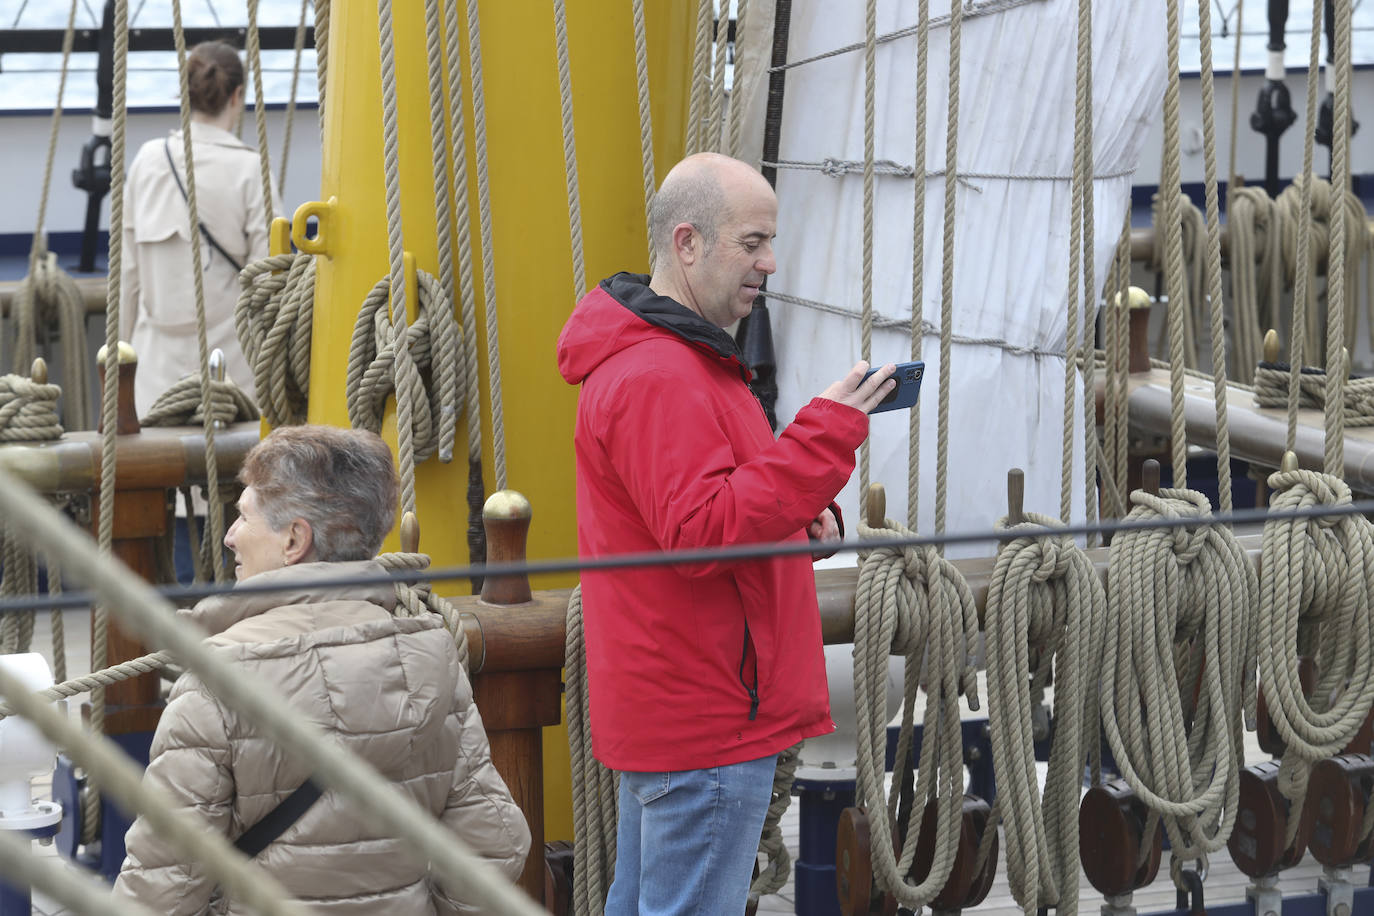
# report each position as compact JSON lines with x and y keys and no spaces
{"x":323,"y":211}
{"x":279,"y":237}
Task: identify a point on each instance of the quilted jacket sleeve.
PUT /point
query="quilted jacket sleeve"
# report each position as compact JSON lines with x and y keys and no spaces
{"x":190,"y":765}
{"x":480,"y":809}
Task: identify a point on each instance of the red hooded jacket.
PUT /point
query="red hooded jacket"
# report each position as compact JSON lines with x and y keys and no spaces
{"x":701,"y":665}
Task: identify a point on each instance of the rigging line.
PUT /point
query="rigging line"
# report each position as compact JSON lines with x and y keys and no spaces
{"x":20,"y":15}
{"x":971,"y":10}
{"x":95,"y":20}
{"x":836,"y":168}
{"x":133,"y":19}
{"x":703,"y":555}
{"x":213,"y":12}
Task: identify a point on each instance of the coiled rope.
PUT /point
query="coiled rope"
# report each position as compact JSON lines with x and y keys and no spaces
{"x":1314,"y":600}
{"x":28,"y":410}
{"x":1046,"y":608}
{"x":1192,"y":279}
{"x":182,"y":405}
{"x":273,"y":320}
{"x":912,"y":602}
{"x":1255,"y":232}
{"x":415,"y":600}
{"x":1272,"y":387}
{"x":1180,"y":619}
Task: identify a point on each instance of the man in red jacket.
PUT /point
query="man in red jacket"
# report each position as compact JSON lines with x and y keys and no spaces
{"x":699,"y":675}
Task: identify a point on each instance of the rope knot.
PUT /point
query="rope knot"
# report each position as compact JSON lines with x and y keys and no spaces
{"x":1188,"y":543}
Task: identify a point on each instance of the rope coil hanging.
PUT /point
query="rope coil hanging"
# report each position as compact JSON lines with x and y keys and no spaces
{"x":1196,"y":591}
{"x":273,"y":319}
{"x":181,"y":405}
{"x":912,"y":602}
{"x":1314,"y":600}
{"x":47,"y":297}
{"x":1045,"y":607}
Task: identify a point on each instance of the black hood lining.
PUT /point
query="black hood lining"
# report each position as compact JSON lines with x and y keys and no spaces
{"x":633,"y":292}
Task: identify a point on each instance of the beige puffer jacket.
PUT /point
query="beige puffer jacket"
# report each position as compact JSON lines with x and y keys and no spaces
{"x":388,"y":689}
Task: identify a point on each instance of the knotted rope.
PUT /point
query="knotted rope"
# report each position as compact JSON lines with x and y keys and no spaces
{"x":48,"y":296}
{"x":1272,"y":387}
{"x":594,"y":787}
{"x":418,"y":598}
{"x":1314,"y":600}
{"x":181,"y":405}
{"x":375,"y":371}
{"x":28,"y":410}
{"x":1046,"y":607}
{"x":1180,"y":619}
{"x":273,"y":318}
{"x":912,"y":602}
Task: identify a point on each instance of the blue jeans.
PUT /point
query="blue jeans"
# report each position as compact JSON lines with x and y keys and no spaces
{"x":687,"y":840}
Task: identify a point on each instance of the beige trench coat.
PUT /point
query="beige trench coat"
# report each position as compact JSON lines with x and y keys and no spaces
{"x":158,"y":306}
{"x":388,"y":689}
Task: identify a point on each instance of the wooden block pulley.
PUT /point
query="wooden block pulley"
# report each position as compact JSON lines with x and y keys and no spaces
{"x":1256,"y":843}
{"x":854,"y":865}
{"x":967,"y":886}
{"x":1338,"y":792}
{"x":1111,"y":831}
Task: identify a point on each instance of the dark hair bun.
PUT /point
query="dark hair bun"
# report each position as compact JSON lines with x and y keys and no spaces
{"x":213,"y":71}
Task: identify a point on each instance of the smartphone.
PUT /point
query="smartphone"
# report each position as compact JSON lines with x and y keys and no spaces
{"x":908,"y":378}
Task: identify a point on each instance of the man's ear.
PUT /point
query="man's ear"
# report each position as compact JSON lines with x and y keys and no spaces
{"x":300,"y":542}
{"x":685,"y":243}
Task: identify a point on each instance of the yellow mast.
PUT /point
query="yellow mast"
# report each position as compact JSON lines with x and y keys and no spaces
{"x":531,"y":239}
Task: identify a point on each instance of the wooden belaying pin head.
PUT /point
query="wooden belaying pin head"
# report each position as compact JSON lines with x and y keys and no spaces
{"x":875,"y":506}
{"x":127,"y":422}
{"x":1016,"y":496}
{"x":506,"y":517}
{"x":410,"y":533}
{"x":1149,"y":476}
{"x":1271,"y":346}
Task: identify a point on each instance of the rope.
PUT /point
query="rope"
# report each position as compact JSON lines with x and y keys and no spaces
{"x":377,"y":366}
{"x":701,"y":75}
{"x":646,"y":124}
{"x":321,"y":55}
{"x":594,"y":787}
{"x":259,"y":108}
{"x":59,"y":633}
{"x":446,"y":372}
{"x":207,"y":396}
{"x":565,"y":96}
{"x":1314,"y":600}
{"x":1231,"y":183}
{"x":731,"y":144}
{"x":1218,"y":324}
{"x":956,"y":20}
{"x":866,"y":325}
{"x":77,"y":890}
{"x":298,"y":48}
{"x":409,"y":388}
{"x":416,"y":599}
{"x":46,"y":296}
{"x":1272,"y":387}
{"x":838,"y":168}
{"x":1116,"y":332}
{"x":912,"y":602}
{"x":1168,"y":199}
{"x":775,"y":874}
{"x":479,"y":131}
{"x":104,"y":678}
{"x":715,"y":117}
{"x":20,"y":578}
{"x":476,"y":494}
{"x":1194,"y":591}
{"x":1193,"y":289}
{"x":1091,"y":292}
{"x":1302,"y":291}
{"x":144,"y":612}
{"x":109,"y":413}
{"x":1072,"y":340}
{"x":181,"y":405}
{"x":1045,"y":607}
{"x":28,"y":410}
{"x":1256,"y":262}
{"x":1337,"y":279}
{"x":918,"y":260}
{"x":273,"y":319}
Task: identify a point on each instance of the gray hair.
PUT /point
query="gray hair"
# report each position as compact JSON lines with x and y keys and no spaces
{"x":690,"y":196}
{"x":342,"y":482}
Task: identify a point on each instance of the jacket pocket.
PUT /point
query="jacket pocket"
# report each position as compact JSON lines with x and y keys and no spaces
{"x":646,"y":787}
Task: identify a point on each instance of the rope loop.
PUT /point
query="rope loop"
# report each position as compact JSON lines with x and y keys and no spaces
{"x":417,"y":599}
{"x":49,"y":298}
{"x":28,"y":410}
{"x":273,"y":318}
{"x":181,"y":405}
{"x":436,"y":350}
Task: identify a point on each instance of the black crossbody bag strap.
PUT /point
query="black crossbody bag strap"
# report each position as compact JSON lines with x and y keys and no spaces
{"x":167,"y":148}
{"x":266,"y":831}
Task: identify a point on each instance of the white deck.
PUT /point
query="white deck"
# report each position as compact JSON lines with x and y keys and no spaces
{"x":1225,"y":884}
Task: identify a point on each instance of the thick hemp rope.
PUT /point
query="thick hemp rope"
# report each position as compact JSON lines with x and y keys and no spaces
{"x":1314,"y":600}
{"x":150,"y":617}
{"x":918,"y":260}
{"x":1083,"y":111}
{"x":476,"y":494}
{"x":28,"y":410}
{"x":701,"y":80}
{"x":259,"y":108}
{"x":1217,"y":324}
{"x":956,"y":24}
{"x":273,"y":320}
{"x":1272,"y":387}
{"x":866,"y":273}
{"x":1192,"y":278}
{"x":565,"y":97}
{"x":714,"y":136}
{"x":378,"y":364}
{"x":646,"y":124}
{"x":594,"y":787}
{"x":1180,"y":322}
{"x":181,"y":405}
{"x":1046,"y":608}
{"x":479,"y":136}
{"x":299,"y":48}
{"x":76,"y":889}
{"x":914,"y":603}
{"x":113,"y":675}
{"x":1336,"y":278}
{"x":417,"y":599}
{"x":1180,"y":618}
{"x":21,"y":578}
{"x":1254,"y":233}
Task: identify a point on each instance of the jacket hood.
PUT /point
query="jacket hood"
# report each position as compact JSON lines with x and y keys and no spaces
{"x":623,"y":311}
{"x":220,"y":612}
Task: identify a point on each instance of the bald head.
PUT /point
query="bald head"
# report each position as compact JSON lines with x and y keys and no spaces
{"x":699,"y":191}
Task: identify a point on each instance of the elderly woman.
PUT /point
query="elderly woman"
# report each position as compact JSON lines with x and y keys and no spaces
{"x":317,"y":503}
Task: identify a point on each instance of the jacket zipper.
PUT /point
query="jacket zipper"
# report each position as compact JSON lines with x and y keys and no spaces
{"x":754,"y":690}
